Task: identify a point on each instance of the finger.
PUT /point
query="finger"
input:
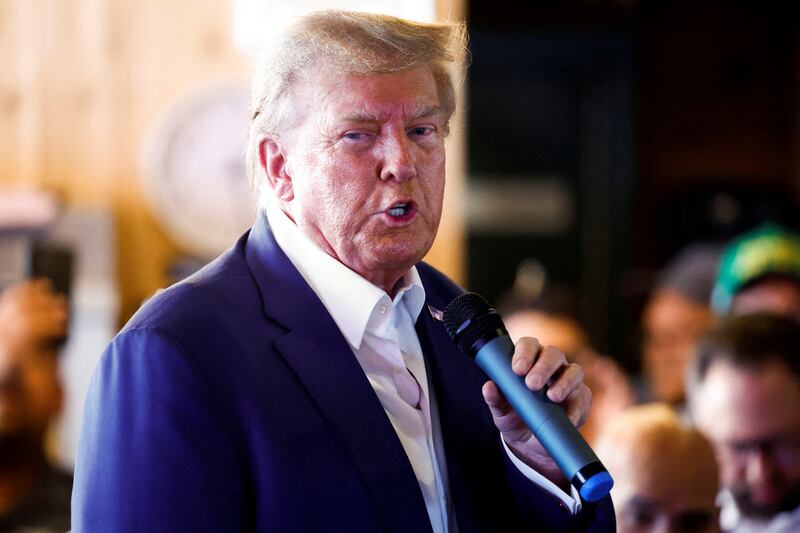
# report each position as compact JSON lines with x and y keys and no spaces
{"x":577,"y":405}
{"x":497,"y":403}
{"x":526,"y":351}
{"x":550,"y":361}
{"x":55,"y":325}
{"x":49,"y":302}
{"x":505,"y":418}
{"x":564,"y":382}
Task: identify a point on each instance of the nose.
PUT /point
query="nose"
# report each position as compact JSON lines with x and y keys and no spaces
{"x":398,"y":159}
{"x":660,"y":524}
{"x":761,"y":470}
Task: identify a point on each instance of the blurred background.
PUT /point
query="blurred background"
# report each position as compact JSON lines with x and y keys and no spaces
{"x":596,"y":139}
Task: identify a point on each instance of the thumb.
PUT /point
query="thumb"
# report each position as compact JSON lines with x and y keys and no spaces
{"x":497,"y":403}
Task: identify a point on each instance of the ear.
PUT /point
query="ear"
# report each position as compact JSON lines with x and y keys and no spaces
{"x":273,"y":161}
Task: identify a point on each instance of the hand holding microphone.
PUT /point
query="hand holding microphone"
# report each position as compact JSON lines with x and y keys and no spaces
{"x":479,"y":332}
{"x":571,"y":394}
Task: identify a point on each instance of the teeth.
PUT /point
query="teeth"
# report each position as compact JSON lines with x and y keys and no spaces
{"x":398,"y":210}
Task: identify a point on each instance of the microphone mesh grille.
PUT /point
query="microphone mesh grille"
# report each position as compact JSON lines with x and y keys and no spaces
{"x":462,"y":308}
{"x":473,"y":308}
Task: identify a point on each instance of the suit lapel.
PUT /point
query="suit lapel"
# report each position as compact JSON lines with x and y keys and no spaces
{"x":319,"y":355}
{"x":474,"y":460}
{"x":448,"y":375}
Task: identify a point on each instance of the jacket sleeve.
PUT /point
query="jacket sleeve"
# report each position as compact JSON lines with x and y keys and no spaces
{"x":154,"y":452}
{"x":535,"y":503}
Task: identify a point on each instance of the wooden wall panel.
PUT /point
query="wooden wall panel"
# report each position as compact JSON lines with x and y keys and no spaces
{"x":18,"y":72}
{"x":448,"y":252}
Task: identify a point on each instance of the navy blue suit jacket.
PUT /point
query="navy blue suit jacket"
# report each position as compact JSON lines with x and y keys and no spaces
{"x":231,"y":402}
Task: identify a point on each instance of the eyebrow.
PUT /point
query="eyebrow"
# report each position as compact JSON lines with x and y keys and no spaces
{"x":364,"y":115}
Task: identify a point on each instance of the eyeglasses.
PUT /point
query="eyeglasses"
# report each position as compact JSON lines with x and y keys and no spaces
{"x":783,"y":450}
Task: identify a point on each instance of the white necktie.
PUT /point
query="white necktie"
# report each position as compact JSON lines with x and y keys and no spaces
{"x":407,"y":387}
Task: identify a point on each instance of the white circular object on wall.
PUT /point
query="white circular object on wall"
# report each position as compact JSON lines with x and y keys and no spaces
{"x":193,"y":168}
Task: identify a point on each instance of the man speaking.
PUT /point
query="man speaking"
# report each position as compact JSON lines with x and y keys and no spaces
{"x":301,"y":382}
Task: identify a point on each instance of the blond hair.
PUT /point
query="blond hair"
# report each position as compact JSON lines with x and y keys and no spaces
{"x":345,"y":43}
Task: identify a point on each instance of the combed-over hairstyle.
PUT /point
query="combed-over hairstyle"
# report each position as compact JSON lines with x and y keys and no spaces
{"x":344,"y":42}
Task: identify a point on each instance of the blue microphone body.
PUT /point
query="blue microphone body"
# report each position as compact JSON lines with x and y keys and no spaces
{"x":545,"y":419}
{"x":483,"y":337}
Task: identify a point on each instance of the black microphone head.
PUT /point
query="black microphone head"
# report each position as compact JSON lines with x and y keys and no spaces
{"x":468,"y":318}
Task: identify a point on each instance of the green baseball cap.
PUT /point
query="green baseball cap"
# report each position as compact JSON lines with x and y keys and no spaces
{"x":768,"y":250}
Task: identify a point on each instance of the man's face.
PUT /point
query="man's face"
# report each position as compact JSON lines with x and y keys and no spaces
{"x":662,"y":485}
{"x":682,"y":513}
{"x":364,"y":167}
{"x":672,"y":325}
{"x":752,"y":418}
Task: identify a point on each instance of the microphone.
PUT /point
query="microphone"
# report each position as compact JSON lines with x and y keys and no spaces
{"x":478,"y":331}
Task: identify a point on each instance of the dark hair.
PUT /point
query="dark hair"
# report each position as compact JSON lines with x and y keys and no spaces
{"x":749,"y":341}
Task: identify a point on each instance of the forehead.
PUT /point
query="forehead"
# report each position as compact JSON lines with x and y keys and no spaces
{"x":668,"y":308}
{"x":364,"y":96}
{"x":672,"y":492}
{"x":660,"y":474}
{"x":736,"y":404}
{"x":777,"y":295}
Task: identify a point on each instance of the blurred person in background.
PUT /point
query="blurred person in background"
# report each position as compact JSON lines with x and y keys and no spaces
{"x":744,"y":395}
{"x":534,"y":307}
{"x":665,"y":473}
{"x":760,"y":271}
{"x":675,"y":316}
{"x":34,"y":494}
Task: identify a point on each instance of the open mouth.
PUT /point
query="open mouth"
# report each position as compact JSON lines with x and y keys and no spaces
{"x":400,"y":209}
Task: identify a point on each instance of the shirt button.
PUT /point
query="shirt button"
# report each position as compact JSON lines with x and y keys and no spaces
{"x":382,"y":309}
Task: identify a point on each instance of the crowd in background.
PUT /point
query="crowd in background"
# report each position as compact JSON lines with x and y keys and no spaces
{"x":706,"y":438}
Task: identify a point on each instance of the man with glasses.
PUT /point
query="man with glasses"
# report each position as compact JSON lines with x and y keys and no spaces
{"x":744,"y":395}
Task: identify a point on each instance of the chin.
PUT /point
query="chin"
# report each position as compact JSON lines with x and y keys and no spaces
{"x":396,"y":262}
{"x":769,"y":507}
{"x":397,"y":255}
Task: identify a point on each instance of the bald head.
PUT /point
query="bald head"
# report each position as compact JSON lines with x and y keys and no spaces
{"x":665,"y":471}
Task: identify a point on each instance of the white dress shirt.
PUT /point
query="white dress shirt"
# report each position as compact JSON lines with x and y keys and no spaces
{"x":380,"y":331}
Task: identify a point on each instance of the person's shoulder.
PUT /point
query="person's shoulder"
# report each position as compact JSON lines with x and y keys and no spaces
{"x":208,"y":294}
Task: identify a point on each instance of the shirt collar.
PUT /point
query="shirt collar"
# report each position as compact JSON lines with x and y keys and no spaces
{"x":350,"y":299}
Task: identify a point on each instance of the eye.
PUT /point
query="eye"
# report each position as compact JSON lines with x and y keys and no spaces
{"x":642,"y":518}
{"x":691,"y":521}
{"x":421,"y":131}
{"x":637,"y":517}
{"x":354,"y":135}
